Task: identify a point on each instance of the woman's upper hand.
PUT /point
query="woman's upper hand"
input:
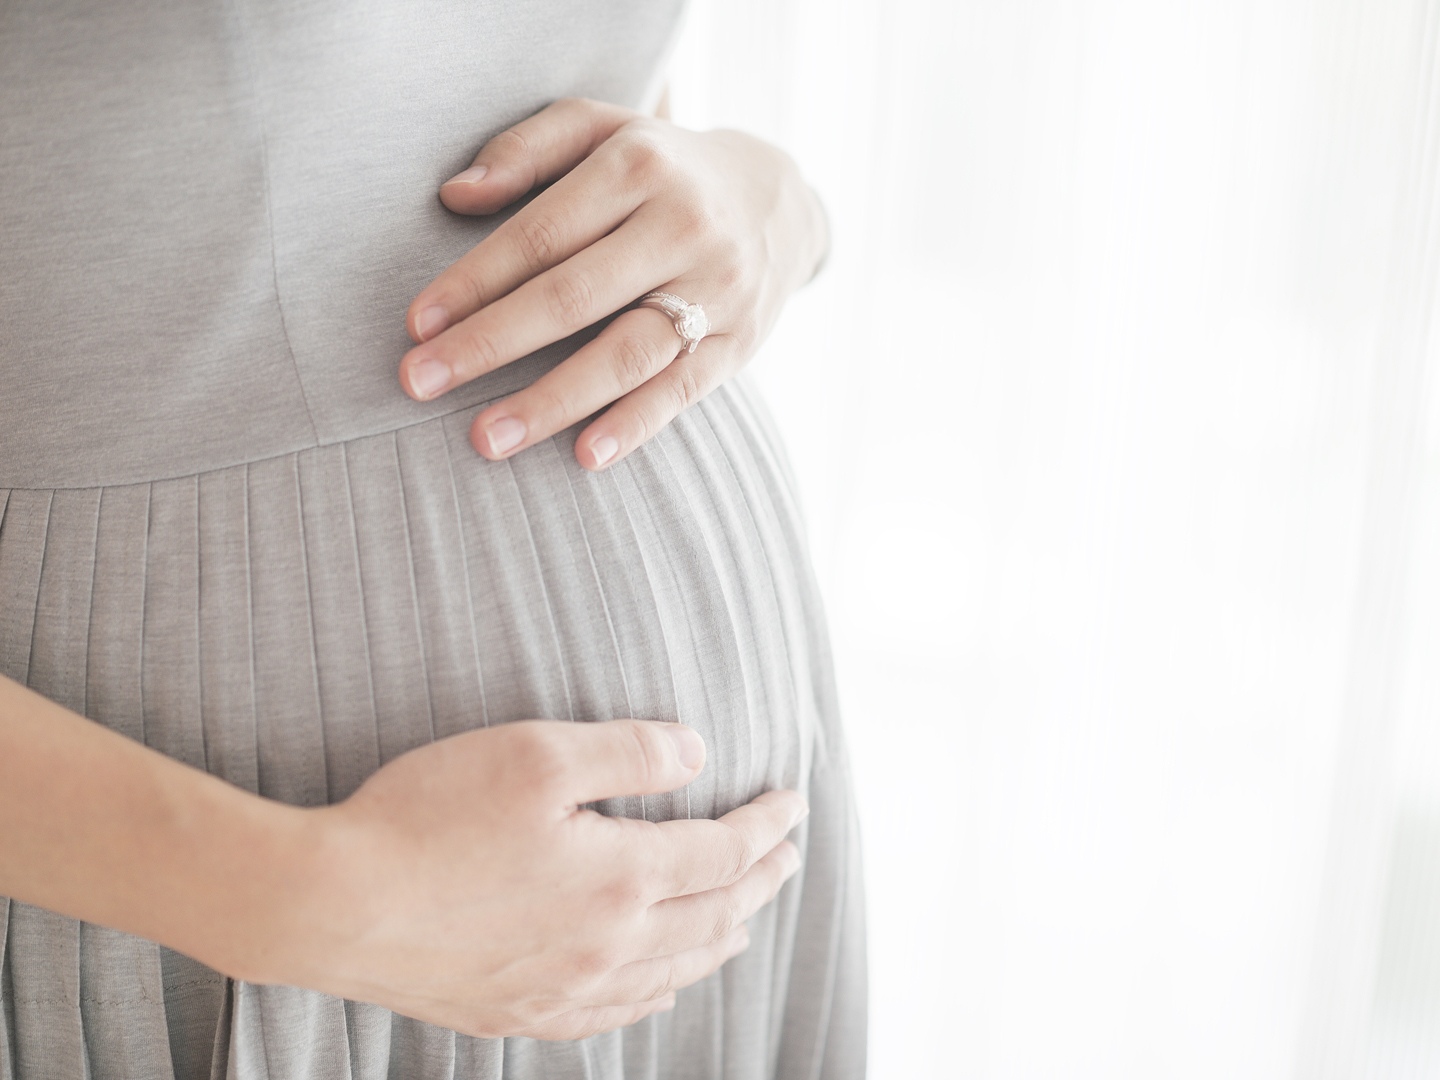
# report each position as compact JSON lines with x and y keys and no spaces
{"x":634,"y":205}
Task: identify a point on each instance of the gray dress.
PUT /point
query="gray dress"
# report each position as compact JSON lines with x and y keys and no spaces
{"x":224,"y":530}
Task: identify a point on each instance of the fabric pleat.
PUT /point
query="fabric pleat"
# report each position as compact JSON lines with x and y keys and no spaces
{"x":293,"y":623}
{"x":440,"y":581}
{"x":688,"y":590}
{"x":22,"y":551}
{"x":114,"y":679}
{"x":227,"y":673}
{"x":342,"y":665}
{"x":289,"y":738}
{"x":282,"y":1031}
{"x":7,"y":996}
{"x":195,"y":997}
{"x":387,"y":586}
{"x":122,"y":1003}
{"x":170,"y":640}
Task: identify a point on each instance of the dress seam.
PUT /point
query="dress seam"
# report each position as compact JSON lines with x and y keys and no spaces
{"x":90,"y":605}
{"x":310,"y":620}
{"x":253,"y":73}
{"x":415,"y":604}
{"x":39,"y":584}
{"x":199,"y":626}
{"x":465,"y":568}
{"x":144,"y":594}
{"x":364,"y":603}
{"x":317,"y":445}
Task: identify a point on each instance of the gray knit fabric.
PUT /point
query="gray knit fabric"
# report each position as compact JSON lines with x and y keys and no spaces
{"x":225,"y":532}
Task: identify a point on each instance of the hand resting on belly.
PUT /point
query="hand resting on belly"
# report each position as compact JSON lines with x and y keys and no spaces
{"x":461,"y":884}
{"x":719,"y":218}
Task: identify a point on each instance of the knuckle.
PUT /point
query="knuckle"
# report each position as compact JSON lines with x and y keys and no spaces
{"x":686,"y":388}
{"x":645,"y":163}
{"x":636,"y":359}
{"x":666,"y":978}
{"x":553,"y":406}
{"x":539,"y":239}
{"x":620,"y":901}
{"x":510,"y":144}
{"x":597,"y":1022}
{"x":744,"y":333}
{"x":461,"y":286}
{"x":648,"y":416}
{"x":542,"y":762}
{"x":481,"y":1027}
{"x":481,"y":354}
{"x":575,"y":104}
{"x":529,"y":1014}
{"x":541,"y":404}
{"x":466,"y":280}
{"x":695,"y":224}
{"x":654,"y":759}
{"x":735,"y":859}
{"x":726,"y":262}
{"x":725,"y":916}
{"x":571,"y":298}
{"x":591,"y":966}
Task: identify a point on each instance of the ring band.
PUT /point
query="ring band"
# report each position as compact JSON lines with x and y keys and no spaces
{"x":689,"y":319}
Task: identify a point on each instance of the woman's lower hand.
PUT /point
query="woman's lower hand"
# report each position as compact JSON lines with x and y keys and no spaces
{"x":461,"y":885}
{"x":634,"y":205}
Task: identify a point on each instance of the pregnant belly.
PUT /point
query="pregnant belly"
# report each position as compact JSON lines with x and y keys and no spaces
{"x":293,"y":623}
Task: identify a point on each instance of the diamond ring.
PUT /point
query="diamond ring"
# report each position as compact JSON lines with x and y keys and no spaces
{"x":689,"y":319}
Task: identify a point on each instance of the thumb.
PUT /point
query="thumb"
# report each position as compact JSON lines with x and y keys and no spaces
{"x":588,"y":762}
{"x":533,"y":152}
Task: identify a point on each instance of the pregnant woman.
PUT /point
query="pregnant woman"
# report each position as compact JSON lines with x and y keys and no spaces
{"x":230,"y":533}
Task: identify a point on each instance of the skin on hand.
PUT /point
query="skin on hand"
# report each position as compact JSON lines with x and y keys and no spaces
{"x":461,"y":884}
{"x":474,"y":893}
{"x":635,"y":204}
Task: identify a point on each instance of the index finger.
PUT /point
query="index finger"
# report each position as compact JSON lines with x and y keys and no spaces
{"x":569,"y":764}
{"x":535,"y":151}
{"x":702,"y":855}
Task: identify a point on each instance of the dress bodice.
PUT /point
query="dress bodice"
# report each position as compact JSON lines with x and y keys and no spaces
{"x":217,"y":213}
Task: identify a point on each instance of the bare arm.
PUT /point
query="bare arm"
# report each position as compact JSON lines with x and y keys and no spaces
{"x":460,"y":884}
{"x":105,"y":830}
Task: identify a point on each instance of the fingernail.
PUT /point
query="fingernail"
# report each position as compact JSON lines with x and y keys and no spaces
{"x":472,"y":175}
{"x":431,"y":321}
{"x":792,"y":860}
{"x":800,"y":814}
{"x":504,"y":434}
{"x":688,"y":745}
{"x":603,"y":449}
{"x":428,"y":377}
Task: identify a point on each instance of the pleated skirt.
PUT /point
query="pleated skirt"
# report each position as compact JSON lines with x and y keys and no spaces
{"x":291,"y":624}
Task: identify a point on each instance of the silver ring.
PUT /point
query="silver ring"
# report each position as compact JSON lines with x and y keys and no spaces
{"x":689,"y":319}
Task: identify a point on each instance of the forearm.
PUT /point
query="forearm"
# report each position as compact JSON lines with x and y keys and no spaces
{"x":103,"y":829}
{"x":459,"y":885}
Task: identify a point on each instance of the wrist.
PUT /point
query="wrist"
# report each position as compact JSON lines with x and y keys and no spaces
{"x":252,"y":895}
{"x":103,"y":829}
{"x":300,"y":902}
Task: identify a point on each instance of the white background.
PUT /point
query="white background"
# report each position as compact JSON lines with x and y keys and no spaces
{"x":1112,"y":415}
